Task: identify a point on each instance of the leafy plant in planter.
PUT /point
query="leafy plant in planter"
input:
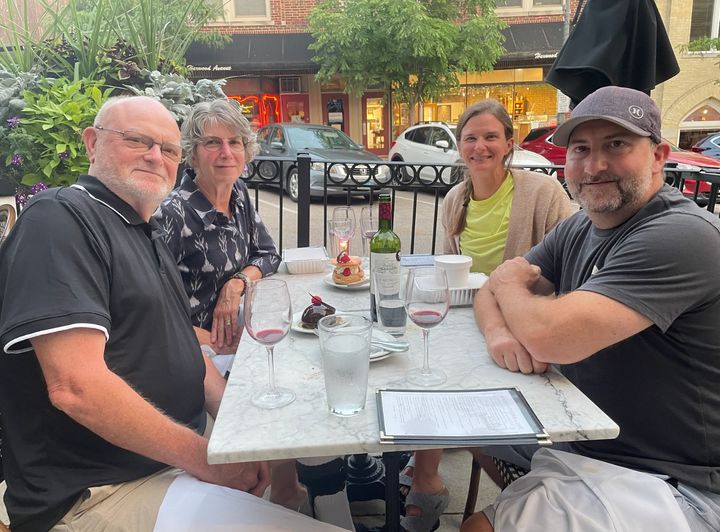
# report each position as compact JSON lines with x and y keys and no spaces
{"x":177,"y":93}
{"x":12,"y":87}
{"x":45,"y":145}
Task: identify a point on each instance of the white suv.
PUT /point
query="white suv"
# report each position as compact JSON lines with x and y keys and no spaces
{"x":433,"y":143}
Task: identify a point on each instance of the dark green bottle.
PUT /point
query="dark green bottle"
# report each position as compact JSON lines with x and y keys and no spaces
{"x":385,"y":254}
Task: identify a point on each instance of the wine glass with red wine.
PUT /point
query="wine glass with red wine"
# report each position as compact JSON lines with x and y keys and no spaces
{"x":427,"y":300}
{"x":268,"y":315}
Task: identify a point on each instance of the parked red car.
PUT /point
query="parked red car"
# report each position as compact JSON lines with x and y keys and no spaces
{"x":539,"y":140}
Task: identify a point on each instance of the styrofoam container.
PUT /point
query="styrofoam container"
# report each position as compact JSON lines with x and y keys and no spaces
{"x":305,"y":260}
{"x":457,"y":268}
{"x":463,"y":296}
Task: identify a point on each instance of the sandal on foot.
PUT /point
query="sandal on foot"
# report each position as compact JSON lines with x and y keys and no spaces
{"x":432,"y":506}
{"x":405,"y":479}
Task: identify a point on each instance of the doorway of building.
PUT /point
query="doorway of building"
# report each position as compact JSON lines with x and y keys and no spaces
{"x":703,"y":120}
{"x":336,"y":111}
{"x":375,"y":130}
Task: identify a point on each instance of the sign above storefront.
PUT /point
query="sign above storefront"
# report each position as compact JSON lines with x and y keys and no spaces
{"x":538,"y":55}
{"x":209,"y":68}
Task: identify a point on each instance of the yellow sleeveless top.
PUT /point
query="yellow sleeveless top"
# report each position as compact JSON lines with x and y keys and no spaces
{"x":486,"y":228}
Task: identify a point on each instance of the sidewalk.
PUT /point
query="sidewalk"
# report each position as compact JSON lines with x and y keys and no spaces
{"x":455,"y":470}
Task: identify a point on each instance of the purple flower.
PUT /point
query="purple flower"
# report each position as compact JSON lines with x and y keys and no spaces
{"x":64,"y":155}
{"x":17,"y":160}
{"x":38,"y":187}
{"x":13,"y":122}
{"x":22,"y":197}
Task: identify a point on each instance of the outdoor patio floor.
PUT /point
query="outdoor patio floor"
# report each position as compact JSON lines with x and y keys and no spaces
{"x":455,"y":471}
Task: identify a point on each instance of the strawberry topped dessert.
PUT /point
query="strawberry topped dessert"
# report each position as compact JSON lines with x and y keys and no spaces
{"x":348,"y":269}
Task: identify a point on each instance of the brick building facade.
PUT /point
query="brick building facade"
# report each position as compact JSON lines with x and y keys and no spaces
{"x":690,"y":102}
{"x":269,"y":69}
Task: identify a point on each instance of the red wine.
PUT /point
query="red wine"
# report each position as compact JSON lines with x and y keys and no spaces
{"x":269,"y":336}
{"x":384,"y":250}
{"x":426,"y":318}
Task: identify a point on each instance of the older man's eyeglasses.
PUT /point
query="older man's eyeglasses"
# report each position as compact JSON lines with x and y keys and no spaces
{"x":142,"y":143}
{"x":236,"y":144}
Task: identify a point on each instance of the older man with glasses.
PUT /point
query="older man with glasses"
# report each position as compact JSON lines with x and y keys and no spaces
{"x":104,"y":391}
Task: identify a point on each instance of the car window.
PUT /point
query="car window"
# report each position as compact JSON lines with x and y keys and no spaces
{"x":320,"y":137}
{"x":421,"y":135}
{"x":277,"y":135}
{"x":715,"y":141}
{"x":536,"y":133}
{"x":439,"y":133}
{"x":262,"y":135}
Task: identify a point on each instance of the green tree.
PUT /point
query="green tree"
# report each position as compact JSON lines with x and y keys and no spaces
{"x":416,"y":48}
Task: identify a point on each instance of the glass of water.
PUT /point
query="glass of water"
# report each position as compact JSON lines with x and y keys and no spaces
{"x":345,"y":345}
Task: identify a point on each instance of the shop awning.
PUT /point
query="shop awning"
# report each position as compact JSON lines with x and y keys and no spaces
{"x":531,"y":44}
{"x":265,"y":53}
{"x":286,"y":53}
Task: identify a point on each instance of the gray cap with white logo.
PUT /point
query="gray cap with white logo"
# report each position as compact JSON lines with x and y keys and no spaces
{"x":631,"y":109}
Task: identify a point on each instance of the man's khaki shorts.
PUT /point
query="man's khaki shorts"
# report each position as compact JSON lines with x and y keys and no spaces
{"x":119,"y":507}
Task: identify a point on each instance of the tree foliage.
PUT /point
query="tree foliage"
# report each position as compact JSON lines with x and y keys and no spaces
{"x":415,"y":47}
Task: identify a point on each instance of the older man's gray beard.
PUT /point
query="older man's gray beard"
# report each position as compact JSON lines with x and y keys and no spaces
{"x":127,"y":188}
{"x":630,"y":191}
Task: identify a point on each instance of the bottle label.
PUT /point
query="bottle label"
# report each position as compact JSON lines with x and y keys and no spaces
{"x":386,"y":263}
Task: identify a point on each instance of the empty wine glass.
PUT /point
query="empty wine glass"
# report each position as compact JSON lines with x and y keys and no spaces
{"x":368,"y":226}
{"x":268,"y":315}
{"x":344,"y":224}
{"x":427,"y":300}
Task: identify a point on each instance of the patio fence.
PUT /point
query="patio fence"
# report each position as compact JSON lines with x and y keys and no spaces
{"x":352,"y":178}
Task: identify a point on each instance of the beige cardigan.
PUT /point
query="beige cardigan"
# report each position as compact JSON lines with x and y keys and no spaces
{"x":539,"y":202}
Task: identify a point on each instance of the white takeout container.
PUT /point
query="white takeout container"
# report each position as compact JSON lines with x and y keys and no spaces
{"x":305,"y":260}
{"x":463,"y":296}
{"x":457,"y":268}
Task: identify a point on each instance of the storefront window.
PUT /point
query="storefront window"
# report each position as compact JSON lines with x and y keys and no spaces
{"x":375,"y":124}
{"x":527,"y":98}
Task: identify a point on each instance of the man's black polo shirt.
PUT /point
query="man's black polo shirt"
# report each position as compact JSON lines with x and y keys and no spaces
{"x":81,"y":257}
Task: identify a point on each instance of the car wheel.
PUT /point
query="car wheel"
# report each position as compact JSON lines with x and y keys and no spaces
{"x":291,"y":184}
{"x":403,"y":176}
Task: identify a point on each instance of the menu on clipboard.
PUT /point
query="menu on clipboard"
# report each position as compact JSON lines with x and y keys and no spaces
{"x":498,"y":416}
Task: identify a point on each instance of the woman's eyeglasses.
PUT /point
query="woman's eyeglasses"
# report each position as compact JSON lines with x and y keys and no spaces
{"x":236,"y":144}
{"x":143,"y":143}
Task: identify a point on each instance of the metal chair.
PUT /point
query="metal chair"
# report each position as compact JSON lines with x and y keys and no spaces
{"x":508,"y":473}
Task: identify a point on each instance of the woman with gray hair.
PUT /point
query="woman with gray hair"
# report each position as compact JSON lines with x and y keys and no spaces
{"x":220,"y":244}
{"x":211,"y":227}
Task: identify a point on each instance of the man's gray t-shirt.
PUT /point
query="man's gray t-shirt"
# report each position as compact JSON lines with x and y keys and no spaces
{"x":661,"y":386}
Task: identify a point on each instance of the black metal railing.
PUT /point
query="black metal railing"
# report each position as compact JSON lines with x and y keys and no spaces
{"x":346,"y":180}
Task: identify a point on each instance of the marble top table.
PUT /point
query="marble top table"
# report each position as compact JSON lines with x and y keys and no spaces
{"x":305,"y":428}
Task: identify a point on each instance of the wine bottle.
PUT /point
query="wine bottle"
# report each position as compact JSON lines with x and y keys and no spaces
{"x":384,"y":250}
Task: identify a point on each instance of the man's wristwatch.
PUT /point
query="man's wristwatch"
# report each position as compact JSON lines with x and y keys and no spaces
{"x":244,"y":278}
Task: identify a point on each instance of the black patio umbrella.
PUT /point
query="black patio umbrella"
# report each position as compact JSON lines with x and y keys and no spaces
{"x":615,"y":42}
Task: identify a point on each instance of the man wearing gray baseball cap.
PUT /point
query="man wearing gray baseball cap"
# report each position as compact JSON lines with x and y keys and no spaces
{"x":623,"y":298}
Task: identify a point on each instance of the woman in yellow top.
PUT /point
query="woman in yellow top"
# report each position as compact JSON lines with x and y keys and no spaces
{"x":496,"y":213}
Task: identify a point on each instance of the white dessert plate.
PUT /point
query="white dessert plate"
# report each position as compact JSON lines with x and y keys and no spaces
{"x":360,"y":285}
{"x":297,"y":324}
{"x":376,"y":353}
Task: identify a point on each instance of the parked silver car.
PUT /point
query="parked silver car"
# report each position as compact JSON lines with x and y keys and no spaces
{"x":324,"y":144}
{"x":434,"y":143}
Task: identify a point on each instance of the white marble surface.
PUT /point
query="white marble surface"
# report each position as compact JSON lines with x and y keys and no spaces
{"x":305,"y":428}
